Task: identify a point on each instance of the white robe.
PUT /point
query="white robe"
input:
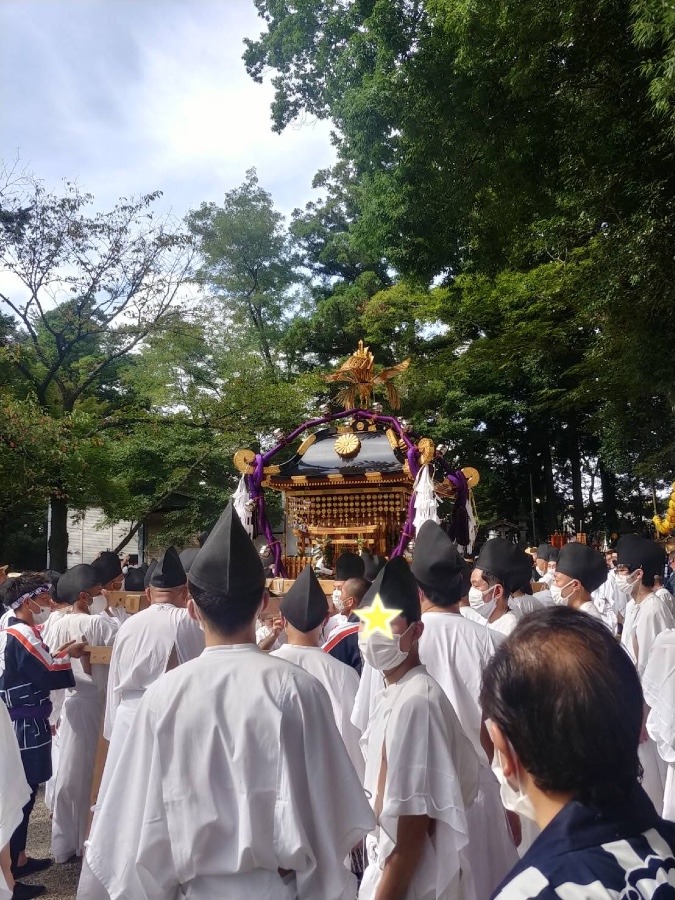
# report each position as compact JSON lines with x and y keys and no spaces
{"x":57,"y":698}
{"x":504,"y":624}
{"x":14,"y":790}
{"x":591,"y":610}
{"x":455,"y":650}
{"x":221,"y":783}
{"x":341,"y":682}
{"x":526,"y":603}
{"x":643,"y":622}
{"x":610,"y":602}
{"x":141,"y":654}
{"x":658,"y":684}
{"x":81,"y":717}
{"x":431,"y":769}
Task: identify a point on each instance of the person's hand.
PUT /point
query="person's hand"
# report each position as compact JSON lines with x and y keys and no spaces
{"x":277,"y":627}
{"x":74,"y":649}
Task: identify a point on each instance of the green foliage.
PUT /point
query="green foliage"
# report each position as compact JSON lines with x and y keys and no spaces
{"x":248,"y":264}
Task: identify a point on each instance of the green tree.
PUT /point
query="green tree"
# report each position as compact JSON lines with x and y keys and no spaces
{"x":85,"y":290}
{"x":248,"y":265}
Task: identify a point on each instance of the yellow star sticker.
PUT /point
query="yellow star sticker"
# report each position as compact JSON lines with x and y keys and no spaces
{"x":377,"y":618}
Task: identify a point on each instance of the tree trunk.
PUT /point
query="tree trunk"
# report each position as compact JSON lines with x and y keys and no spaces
{"x":577,"y":493}
{"x":549,"y":484}
{"x":58,"y":534}
{"x":607,"y":482}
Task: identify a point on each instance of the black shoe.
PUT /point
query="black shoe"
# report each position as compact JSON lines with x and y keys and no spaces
{"x":31,"y":866}
{"x":27,"y":891}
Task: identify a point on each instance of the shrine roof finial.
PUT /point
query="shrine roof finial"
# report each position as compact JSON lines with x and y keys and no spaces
{"x":358,"y":373}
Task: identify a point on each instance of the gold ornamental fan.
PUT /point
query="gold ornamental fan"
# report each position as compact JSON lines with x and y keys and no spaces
{"x":347,"y":446}
{"x":427,"y":450}
{"x":243,"y":460}
{"x":472,"y":476}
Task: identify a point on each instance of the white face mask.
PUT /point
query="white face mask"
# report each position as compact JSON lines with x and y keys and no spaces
{"x":41,"y":617}
{"x":336,"y":597}
{"x":383,"y":653}
{"x":98,"y":604}
{"x":478,"y":604}
{"x":338,"y":602}
{"x":625,"y":584}
{"x":557,"y":593}
{"x":515,"y":800}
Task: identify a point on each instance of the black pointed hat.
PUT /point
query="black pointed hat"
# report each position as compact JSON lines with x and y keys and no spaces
{"x":188,"y":556}
{"x":584,"y":564}
{"x":349,"y":565}
{"x":521,"y":570}
{"x":640,"y":553}
{"x":305,"y":604}
{"x":436,"y":562}
{"x":228,"y":564}
{"x":168,"y":573}
{"x":497,"y":556}
{"x":543,"y":551}
{"x":74,"y":581}
{"x":134,"y":580}
{"x":553,"y":554}
{"x":107,"y":567}
{"x":372,"y":565}
{"x":397,"y":588}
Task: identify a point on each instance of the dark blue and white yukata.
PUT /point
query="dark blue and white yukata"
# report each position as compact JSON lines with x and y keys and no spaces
{"x":585,"y":854}
{"x":343,"y":644}
{"x":28,"y":673}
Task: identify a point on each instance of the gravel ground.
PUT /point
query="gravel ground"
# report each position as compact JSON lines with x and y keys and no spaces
{"x":60,"y":881}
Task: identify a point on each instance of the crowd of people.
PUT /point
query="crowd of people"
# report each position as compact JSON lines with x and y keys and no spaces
{"x":433,"y":730}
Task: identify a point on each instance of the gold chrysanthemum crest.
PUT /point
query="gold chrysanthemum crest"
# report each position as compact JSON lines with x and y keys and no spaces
{"x":347,"y":445}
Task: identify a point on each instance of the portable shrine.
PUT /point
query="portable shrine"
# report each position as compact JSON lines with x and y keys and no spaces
{"x":359,"y":479}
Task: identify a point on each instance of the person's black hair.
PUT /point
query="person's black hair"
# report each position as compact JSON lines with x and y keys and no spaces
{"x":441,"y":598}
{"x":25,"y":583}
{"x":647,"y":578}
{"x":225,"y":614}
{"x":524,"y":588}
{"x":52,"y":576}
{"x":491,"y":580}
{"x":568,"y":698}
{"x":356,"y":587}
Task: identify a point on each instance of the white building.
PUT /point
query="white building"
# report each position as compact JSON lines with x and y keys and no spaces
{"x":88,"y":536}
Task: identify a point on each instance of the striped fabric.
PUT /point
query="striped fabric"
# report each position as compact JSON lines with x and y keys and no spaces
{"x":28,"y":673}
{"x":587,"y":855}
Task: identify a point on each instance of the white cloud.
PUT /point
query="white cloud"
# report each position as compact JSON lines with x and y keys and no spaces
{"x":129,"y":96}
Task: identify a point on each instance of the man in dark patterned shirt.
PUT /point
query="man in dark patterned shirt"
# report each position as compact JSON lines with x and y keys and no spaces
{"x":564,"y":707}
{"x":28,"y":672}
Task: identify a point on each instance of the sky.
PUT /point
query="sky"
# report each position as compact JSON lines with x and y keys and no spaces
{"x":132,"y":96}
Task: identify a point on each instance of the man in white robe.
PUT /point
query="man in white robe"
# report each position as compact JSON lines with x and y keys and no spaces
{"x":108,"y":569}
{"x":580,"y":571}
{"x":148,"y":644}
{"x":348,"y":565}
{"x":638,"y":561}
{"x":218,"y":791}
{"x":658,"y":686}
{"x":422,"y":772}
{"x":81,"y":714}
{"x":610,"y":602}
{"x":455,"y":650}
{"x":14,"y":795}
{"x":304,"y":610}
{"x":490,"y":585}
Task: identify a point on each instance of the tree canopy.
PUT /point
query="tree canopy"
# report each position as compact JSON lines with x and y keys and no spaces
{"x":501,"y":210}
